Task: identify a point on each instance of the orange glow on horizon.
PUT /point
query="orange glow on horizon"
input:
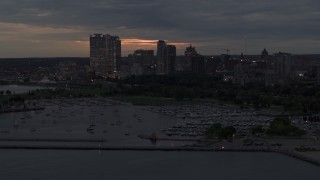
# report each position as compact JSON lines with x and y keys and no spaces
{"x":138,"y":41}
{"x":129,"y":45}
{"x":32,"y":39}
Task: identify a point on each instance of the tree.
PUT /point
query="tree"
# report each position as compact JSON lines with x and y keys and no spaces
{"x":227,"y":132}
{"x":216,"y":130}
{"x":257,"y":130}
{"x":281,"y":126}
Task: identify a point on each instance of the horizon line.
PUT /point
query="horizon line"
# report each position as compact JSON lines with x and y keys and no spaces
{"x":38,"y":57}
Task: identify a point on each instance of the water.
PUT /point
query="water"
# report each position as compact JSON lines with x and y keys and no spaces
{"x":69,"y":119}
{"x":115,"y":123}
{"x":146,"y":165}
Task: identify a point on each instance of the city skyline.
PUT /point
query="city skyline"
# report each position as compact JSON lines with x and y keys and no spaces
{"x":60,"y":28}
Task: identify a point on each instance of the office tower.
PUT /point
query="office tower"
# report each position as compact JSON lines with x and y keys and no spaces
{"x":113,"y":53}
{"x":105,"y":54}
{"x":283,"y":65}
{"x":161,"y":57}
{"x":190,"y":51}
{"x":264,"y":54}
{"x":145,"y":58}
{"x":186,"y":64}
{"x":166,"y":58}
{"x":98,"y":59}
{"x":198,"y":64}
{"x":171,"y":59}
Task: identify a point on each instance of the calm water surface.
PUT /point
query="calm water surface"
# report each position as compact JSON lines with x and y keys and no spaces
{"x":145,"y":165}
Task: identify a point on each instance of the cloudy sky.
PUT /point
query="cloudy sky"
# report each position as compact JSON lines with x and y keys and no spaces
{"x":42,"y":28}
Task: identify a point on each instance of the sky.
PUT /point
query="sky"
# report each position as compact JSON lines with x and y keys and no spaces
{"x":61,"y":28}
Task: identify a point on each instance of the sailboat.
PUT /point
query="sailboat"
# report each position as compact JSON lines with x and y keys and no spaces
{"x":15,"y":124}
{"x":90,"y":128}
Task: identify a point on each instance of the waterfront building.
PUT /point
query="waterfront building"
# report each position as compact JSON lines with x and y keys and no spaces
{"x":113,"y":53}
{"x":166,"y":58}
{"x":105,"y":54}
{"x":98,"y":59}
{"x":161,"y":57}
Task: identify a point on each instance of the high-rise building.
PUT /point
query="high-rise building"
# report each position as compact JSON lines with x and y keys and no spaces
{"x":198,"y":64}
{"x":98,"y":59}
{"x":166,"y":58}
{"x":282,"y":71}
{"x":190,"y":51}
{"x":145,"y":58}
{"x":161,"y":57}
{"x":105,"y":54}
{"x":264,"y":54}
{"x":283,"y":64}
{"x":171,"y":59}
{"x":113,"y":53}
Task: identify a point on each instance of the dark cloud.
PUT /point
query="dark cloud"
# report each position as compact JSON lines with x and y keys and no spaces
{"x":208,"y":23}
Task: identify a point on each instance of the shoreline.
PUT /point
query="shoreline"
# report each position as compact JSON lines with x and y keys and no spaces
{"x":100,"y":147}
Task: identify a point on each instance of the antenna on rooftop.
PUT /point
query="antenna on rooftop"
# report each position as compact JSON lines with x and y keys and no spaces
{"x":227,"y":50}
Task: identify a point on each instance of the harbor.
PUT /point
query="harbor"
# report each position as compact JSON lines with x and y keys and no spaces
{"x":104,"y":124}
